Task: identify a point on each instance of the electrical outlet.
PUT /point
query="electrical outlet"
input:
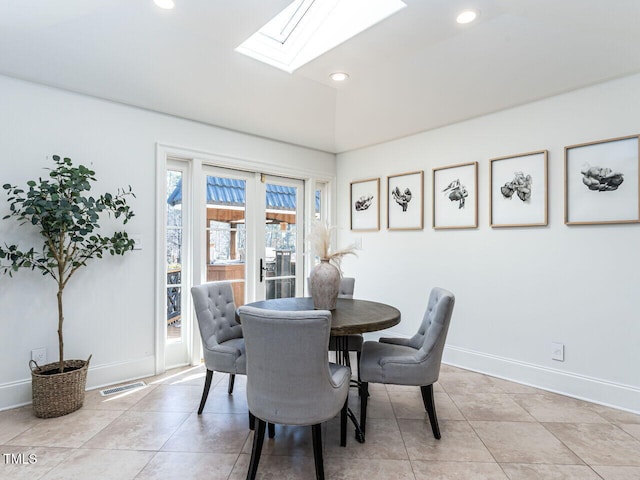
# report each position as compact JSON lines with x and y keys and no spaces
{"x":557,"y":351}
{"x":39,"y":355}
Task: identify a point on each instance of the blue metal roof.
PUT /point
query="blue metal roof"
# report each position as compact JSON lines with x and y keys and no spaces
{"x":230,"y":191}
{"x":225,"y":191}
{"x":175,"y":197}
{"x":279,"y":197}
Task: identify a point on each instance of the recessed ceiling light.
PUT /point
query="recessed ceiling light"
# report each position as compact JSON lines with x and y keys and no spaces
{"x":339,"y":76}
{"x":467,"y":16}
{"x":166,"y":4}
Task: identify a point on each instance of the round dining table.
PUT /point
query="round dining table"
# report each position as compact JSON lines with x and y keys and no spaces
{"x":351,"y":316}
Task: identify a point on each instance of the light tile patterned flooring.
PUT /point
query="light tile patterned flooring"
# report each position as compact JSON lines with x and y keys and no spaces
{"x":491,"y":430}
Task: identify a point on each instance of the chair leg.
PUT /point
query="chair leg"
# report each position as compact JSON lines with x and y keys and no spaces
{"x":316,"y":433}
{"x":430,"y":407}
{"x":271,"y":428}
{"x":343,"y":423}
{"x":358,"y":355}
{"x":232,"y":379}
{"x":258,"y":440}
{"x":364,"y":396}
{"x":205,"y":392}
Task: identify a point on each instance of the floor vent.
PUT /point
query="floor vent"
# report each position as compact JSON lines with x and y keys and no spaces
{"x":122,"y":388}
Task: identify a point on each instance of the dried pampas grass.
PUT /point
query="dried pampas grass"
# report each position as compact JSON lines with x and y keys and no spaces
{"x":320,"y":243}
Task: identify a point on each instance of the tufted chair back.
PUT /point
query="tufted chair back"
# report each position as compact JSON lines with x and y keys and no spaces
{"x":435,"y":322}
{"x":347,"y":285}
{"x":436,"y":325}
{"x":222,"y":342}
{"x":216,"y":312}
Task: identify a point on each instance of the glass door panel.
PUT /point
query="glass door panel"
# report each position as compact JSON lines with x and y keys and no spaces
{"x":174,"y":255}
{"x":282,"y":238}
{"x":225,"y":232}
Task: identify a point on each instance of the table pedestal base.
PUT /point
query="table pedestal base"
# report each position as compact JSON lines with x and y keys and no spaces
{"x":354,"y":420}
{"x":342,"y":357}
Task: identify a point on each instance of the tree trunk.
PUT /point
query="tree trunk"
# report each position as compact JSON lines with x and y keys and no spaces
{"x":60,"y":340}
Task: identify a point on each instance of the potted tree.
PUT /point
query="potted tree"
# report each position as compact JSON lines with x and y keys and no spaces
{"x":66,"y":216}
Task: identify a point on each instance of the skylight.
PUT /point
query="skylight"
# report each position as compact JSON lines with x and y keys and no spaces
{"x":307,"y":29}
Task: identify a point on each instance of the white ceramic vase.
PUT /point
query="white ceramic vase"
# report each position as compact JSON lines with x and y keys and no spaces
{"x":325,"y":285}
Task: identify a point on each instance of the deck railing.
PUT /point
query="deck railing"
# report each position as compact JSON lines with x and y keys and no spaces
{"x":174,"y":307}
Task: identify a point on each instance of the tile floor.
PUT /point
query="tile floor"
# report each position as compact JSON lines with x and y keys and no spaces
{"x":491,"y":430}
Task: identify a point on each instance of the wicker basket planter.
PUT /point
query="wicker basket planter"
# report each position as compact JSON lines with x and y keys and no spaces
{"x":57,"y":394}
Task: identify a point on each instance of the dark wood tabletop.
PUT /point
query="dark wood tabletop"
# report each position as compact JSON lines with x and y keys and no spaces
{"x":350,"y":315}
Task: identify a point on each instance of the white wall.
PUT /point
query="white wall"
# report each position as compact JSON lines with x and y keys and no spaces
{"x":109,"y":306}
{"x":517,"y":289}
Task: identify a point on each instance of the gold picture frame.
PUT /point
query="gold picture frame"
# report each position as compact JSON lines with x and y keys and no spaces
{"x":518,"y":190}
{"x":364,"y":198}
{"x":602,"y":180}
{"x":405,"y":201}
{"x":455,"y":196}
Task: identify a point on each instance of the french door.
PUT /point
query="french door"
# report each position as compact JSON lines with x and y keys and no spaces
{"x":177,"y":324}
{"x":225,"y":224}
{"x":252,"y":233}
{"x":282,"y":223}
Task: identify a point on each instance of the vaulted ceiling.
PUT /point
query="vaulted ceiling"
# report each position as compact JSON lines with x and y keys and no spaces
{"x":414,"y":71}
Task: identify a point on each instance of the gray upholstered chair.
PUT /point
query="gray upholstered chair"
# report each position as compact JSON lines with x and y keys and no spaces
{"x":222,"y":342}
{"x":347,"y":285}
{"x":410,"y":361}
{"x":289,"y":379}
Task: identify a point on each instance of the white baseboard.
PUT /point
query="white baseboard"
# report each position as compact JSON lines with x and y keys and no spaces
{"x":583,"y":387}
{"x":603,"y":392}
{"x":595,"y":390}
{"x":16,"y":394}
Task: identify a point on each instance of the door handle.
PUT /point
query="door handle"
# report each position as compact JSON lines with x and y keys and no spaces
{"x":262,"y":270}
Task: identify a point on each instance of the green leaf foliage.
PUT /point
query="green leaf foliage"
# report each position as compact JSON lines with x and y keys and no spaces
{"x":66,"y":216}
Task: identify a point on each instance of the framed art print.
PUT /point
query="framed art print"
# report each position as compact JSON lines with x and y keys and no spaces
{"x":601,"y":182}
{"x":455,"y":196}
{"x":518,"y":190}
{"x":405,"y":201}
{"x":365,"y":205}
